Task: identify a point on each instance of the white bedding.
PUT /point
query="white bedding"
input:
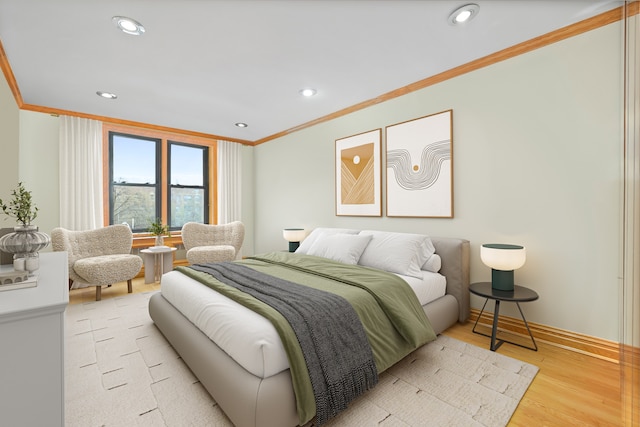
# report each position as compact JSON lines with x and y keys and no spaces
{"x":250,"y":339}
{"x":432,"y":286}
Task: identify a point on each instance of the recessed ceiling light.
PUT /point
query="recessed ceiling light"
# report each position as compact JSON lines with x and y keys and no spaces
{"x":308,"y":92}
{"x":464,"y":14}
{"x":242,"y":125}
{"x":128,"y":25}
{"x":107,"y":95}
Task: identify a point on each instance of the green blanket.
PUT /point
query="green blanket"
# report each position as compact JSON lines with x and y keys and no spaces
{"x":392,"y":317}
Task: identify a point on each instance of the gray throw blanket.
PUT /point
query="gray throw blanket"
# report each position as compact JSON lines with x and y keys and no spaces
{"x":335,"y":346}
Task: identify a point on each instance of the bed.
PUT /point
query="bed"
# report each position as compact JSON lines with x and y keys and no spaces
{"x":240,"y":371}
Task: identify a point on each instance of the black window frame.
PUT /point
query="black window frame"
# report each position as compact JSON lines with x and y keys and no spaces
{"x":205,"y":179}
{"x":157,"y":185}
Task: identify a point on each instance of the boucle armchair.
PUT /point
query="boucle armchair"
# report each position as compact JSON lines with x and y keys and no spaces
{"x":99,"y":257}
{"x":212,"y":243}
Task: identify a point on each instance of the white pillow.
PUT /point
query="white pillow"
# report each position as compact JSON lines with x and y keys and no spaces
{"x":345,"y":248}
{"x":308,"y":241}
{"x":401,"y":253}
{"x":433,"y":264}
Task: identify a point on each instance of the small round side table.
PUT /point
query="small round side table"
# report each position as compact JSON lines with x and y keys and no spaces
{"x":157,"y":261}
{"x":518,"y":295}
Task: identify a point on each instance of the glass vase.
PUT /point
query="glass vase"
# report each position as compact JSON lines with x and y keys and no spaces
{"x":25,"y":242}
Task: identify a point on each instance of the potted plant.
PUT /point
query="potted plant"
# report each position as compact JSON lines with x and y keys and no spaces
{"x":158,"y":229}
{"x":21,"y":207}
{"x":25,"y":241}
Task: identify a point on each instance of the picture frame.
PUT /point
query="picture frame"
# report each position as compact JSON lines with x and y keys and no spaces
{"x":419,"y":167}
{"x":358,"y":174}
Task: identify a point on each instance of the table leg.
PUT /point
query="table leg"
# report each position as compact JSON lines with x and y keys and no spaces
{"x":167,"y":262}
{"x":495,"y":342}
{"x":478,"y":318}
{"x":149,"y":268}
{"x":157,"y":270}
{"x":493,"y":346}
{"x":494,"y":330}
{"x":535,"y":346}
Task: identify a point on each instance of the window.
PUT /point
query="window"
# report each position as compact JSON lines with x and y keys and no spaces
{"x":134,"y":194}
{"x":154,"y":175}
{"x":188,"y":189}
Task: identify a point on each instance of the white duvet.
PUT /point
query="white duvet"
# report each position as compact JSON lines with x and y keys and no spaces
{"x":247,"y":337}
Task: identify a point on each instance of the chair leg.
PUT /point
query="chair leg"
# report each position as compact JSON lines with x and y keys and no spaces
{"x":129,"y":286}
{"x":98,"y":293}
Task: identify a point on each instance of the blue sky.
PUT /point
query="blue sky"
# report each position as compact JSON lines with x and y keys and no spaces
{"x":134,"y":161}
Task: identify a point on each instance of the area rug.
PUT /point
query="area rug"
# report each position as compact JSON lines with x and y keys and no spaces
{"x":120,"y":371}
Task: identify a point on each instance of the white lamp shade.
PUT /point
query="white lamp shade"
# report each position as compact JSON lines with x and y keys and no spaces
{"x":294,"y":234}
{"x":503,"y":257}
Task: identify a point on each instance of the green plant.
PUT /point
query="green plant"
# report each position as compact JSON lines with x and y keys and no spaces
{"x":21,"y":207}
{"x":158,"y":229}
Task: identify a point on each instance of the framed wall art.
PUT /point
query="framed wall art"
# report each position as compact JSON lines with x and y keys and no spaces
{"x":358,"y":169}
{"x":419,"y":156}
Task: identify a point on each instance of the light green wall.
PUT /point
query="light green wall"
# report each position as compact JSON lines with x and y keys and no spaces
{"x":537,"y":161}
{"x":9,"y":134}
{"x":30,"y":156}
{"x":39,"y":166}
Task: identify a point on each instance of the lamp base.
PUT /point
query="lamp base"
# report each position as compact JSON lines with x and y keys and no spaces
{"x":293,"y":246}
{"x":502,"y":280}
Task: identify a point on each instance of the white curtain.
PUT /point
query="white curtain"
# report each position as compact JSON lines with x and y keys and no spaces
{"x":80,"y":173}
{"x":229,"y":182}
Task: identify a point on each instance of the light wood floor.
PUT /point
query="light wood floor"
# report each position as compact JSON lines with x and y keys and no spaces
{"x":571,"y":389}
{"x":77,"y":296}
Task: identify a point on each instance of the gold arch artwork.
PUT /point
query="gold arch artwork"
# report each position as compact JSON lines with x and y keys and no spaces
{"x":358,"y":175}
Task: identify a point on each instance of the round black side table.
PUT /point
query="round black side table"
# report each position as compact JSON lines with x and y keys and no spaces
{"x":518,"y":295}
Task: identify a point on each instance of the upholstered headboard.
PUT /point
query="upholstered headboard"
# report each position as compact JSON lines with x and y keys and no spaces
{"x":455,"y":267}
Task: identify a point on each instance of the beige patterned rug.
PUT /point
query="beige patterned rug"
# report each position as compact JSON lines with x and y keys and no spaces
{"x":120,"y":371}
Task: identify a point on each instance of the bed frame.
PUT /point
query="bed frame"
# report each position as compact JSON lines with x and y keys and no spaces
{"x":251,"y":401}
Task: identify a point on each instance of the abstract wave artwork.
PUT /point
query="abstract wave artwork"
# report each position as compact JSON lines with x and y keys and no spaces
{"x":420,"y":167}
{"x":413,"y":177}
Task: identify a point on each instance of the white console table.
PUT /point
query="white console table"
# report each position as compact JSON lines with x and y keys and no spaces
{"x":32,"y":347}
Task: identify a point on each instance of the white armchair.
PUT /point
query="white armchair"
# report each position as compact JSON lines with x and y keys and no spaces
{"x":212,"y":243}
{"x":99,"y":257}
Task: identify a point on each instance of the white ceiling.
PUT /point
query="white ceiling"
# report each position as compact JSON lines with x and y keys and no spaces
{"x":204,"y":65}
